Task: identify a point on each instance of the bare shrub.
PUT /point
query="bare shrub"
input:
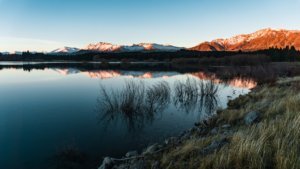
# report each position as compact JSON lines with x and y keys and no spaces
{"x":158,"y":97}
{"x":186,"y":94}
{"x":189,"y":93}
{"x":134,"y":104}
{"x":132,"y":96}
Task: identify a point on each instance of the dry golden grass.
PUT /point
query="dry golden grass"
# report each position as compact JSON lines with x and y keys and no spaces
{"x":274,"y":142}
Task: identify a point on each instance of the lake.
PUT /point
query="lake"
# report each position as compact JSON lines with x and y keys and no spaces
{"x":54,"y":115}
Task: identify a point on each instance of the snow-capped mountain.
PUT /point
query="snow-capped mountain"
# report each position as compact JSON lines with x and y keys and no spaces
{"x":65,"y":50}
{"x":262,"y":39}
{"x":108,"y":47}
{"x":103,"y":47}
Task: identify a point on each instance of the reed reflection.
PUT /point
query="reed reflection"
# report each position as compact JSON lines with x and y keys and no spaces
{"x":196,"y":95}
{"x":136,"y":104}
{"x":186,"y":95}
{"x":158,"y":97}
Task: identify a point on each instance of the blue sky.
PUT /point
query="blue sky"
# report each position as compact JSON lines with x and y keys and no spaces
{"x":44,"y":25}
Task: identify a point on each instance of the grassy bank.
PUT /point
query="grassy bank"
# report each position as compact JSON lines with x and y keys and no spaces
{"x":273,"y":142}
{"x":227,"y":141}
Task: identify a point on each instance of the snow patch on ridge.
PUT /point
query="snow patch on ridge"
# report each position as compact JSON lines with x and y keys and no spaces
{"x":108,"y":47}
{"x":66,"y":50}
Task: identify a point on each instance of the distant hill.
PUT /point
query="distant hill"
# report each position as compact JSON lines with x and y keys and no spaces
{"x":260,"y":40}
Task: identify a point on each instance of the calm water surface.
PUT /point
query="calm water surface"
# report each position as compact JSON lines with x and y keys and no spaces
{"x":46,"y":112}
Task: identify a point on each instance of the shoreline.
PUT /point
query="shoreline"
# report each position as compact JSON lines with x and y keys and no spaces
{"x":237,"y":137}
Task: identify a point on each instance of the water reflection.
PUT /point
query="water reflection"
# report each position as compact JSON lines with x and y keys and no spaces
{"x":158,"y":97}
{"x":134,"y":104}
{"x":195,"y":94}
{"x":241,"y":82}
{"x":186,"y":95}
{"x":237,"y":81}
{"x":55,"y":106}
{"x":137,"y":104}
{"x":208,"y":105}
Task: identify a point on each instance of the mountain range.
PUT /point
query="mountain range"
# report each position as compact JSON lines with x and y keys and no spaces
{"x":108,"y":47}
{"x":259,"y":40}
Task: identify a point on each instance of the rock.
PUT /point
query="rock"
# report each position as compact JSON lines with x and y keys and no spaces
{"x":186,"y":136}
{"x":121,"y":166}
{"x":151,"y":149}
{"x":214,"y":131}
{"x":171,"y":140}
{"x":155,"y":165}
{"x":251,"y":118}
{"x":107,"y":163}
{"x":228,"y":133}
{"x":203,"y":131}
{"x":194,"y":129}
{"x":160,"y":146}
{"x":225,"y":126}
{"x":198,"y":130}
{"x":188,"y":133}
{"x":214,"y":146}
{"x":131,"y":154}
{"x":182,"y":133}
{"x":138,"y":165}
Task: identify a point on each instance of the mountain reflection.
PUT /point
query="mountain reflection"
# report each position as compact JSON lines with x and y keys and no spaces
{"x":242,"y":82}
{"x":106,"y":74}
{"x":136,"y":104}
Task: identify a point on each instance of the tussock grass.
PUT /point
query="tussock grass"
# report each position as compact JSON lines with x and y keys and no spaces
{"x":273,"y":142}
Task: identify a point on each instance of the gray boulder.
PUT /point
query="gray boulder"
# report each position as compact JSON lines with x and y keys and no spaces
{"x":155,"y":165}
{"x":140,"y":164}
{"x":214,"y":131}
{"x":171,"y":140}
{"x":151,"y":149}
{"x":226,"y":126}
{"x":121,"y":166}
{"x":251,"y":118}
{"x":107,"y":163}
{"x":131,"y":154}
